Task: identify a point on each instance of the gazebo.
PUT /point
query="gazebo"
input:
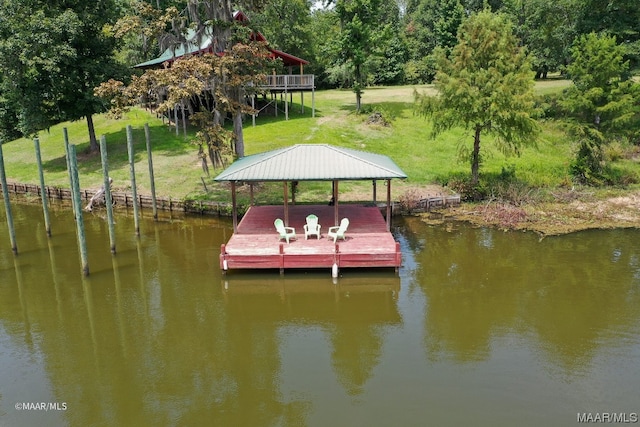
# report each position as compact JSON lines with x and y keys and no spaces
{"x":255,"y":238}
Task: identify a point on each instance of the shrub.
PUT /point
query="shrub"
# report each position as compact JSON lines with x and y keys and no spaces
{"x":549,"y":104}
{"x":410,"y":200}
{"x":467,"y":190}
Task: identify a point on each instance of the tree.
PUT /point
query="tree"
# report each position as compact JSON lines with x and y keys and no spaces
{"x":602,"y":101}
{"x":54,"y":53}
{"x":430,"y":24}
{"x":359,"y":20}
{"x":619,"y":18}
{"x":286,"y":24}
{"x":486,"y":87}
{"x":547,"y":28}
{"x":386,"y":62}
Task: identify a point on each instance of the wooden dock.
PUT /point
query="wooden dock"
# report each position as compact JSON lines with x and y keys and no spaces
{"x":257,"y":245}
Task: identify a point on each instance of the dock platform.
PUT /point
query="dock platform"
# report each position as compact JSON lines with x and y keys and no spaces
{"x":256,"y":245}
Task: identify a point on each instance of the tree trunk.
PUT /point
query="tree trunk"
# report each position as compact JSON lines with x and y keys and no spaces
{"x":358,"y":88}
{"x":93,"y":142}
{"x":237,"y":130}
{"x":475,"y":159}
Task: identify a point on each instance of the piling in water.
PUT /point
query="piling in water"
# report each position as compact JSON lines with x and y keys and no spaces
{"x":67,"y":158}
{"x":154,"y":203}
{"x":132,"y":172}
{"x":107,"y":192}
{"x":43,"y":188}
{"x":75,"y":188}
{"x":7,"y":205}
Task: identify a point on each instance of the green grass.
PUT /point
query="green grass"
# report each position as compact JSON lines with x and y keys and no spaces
{"x":407,"y":141}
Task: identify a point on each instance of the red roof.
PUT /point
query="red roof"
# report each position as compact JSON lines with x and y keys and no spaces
{"x":171,"y":55}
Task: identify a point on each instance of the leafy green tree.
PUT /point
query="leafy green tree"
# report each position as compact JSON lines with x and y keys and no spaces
{"x":602,"y":101}
{"x":547,"y":28}
{"x":286,"y":26}
{"x":327,"y":65}
{"x":619,"y":18}
{"x":386,"y":63}
{"x":486,"y":87}
{"x":54,"y":53}
{"x":359,"y":20}
{"x":430,"y":24}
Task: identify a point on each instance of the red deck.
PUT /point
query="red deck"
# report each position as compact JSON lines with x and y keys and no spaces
{"x":257,"y":245}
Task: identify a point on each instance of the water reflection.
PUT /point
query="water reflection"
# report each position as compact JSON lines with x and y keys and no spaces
{"x":157,"y":336}
{"x":566,"y":290}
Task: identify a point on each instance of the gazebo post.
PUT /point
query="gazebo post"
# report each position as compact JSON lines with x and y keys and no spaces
{"x":234,"y":207}
{"x":286,"y":203}
{"x":388,"y":205}
{"x":335,"y":202}
{"x":374,"y":192}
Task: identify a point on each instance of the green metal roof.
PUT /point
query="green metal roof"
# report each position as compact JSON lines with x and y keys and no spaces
{"x":312,"y":162}
{"x":190,"y":47}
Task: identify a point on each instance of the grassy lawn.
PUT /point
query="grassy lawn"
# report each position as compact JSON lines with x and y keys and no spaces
{"x":407,"y":141}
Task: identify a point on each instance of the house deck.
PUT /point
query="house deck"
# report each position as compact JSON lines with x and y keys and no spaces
{"x":257,"y":245}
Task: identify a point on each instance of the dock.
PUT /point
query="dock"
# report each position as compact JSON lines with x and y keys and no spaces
{"x":256,"y":245}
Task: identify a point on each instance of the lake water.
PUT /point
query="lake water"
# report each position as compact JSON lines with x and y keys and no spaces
{"x":480,"y":327}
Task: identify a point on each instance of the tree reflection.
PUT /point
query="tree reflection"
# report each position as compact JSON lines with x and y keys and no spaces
{"x":483,"y":283}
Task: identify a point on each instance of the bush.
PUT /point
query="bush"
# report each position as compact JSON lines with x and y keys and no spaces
{"x":420,"y":71}
{"x":410,"y":200}
{"x":549,"y":105}
{"x":467,"y":190}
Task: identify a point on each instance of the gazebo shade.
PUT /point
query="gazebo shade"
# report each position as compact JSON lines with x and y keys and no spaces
{"x":312,"y":162}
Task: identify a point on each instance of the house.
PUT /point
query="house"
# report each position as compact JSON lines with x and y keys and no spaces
{"x":284,"y":85}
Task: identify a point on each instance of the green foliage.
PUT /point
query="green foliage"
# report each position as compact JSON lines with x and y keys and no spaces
{"x":485,"y":87}
{"x":549,"y":105}
{"x":286,"y":25}
{"x":359,"y":21}
{"x":547,"y":28}
{"x":602,"y":103}
{"x":619,"y":18}
{"x":420,"y":71}
{"x":54,"y":53}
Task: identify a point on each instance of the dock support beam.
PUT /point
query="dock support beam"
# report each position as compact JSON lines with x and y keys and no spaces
{"x":286,"y":203}
{"x":234,"y":207}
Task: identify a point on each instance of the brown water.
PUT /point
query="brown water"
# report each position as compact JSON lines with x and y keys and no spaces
{"x":480,"y":327}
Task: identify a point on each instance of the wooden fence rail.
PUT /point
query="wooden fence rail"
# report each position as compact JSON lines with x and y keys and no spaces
{"x":126,"y":199}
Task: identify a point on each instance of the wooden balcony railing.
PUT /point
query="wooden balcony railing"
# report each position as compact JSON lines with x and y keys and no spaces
{"x":289,"y":82}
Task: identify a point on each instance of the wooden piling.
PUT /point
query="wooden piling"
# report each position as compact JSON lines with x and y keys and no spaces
{"x":132,"y":173}
{"x":68,"y":160}
{"x":43,"y":192}
{"x":107,"y":192}
{"x":154,"y":203}
{"x":75,"y":187}
{"x":7,"y":205}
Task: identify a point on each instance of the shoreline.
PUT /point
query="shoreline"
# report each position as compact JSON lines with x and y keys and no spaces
{"x":547,"y":218}
{"x":576,"y":213}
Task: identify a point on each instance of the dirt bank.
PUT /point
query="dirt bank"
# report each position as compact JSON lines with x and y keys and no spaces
{"x":565,"y":215}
